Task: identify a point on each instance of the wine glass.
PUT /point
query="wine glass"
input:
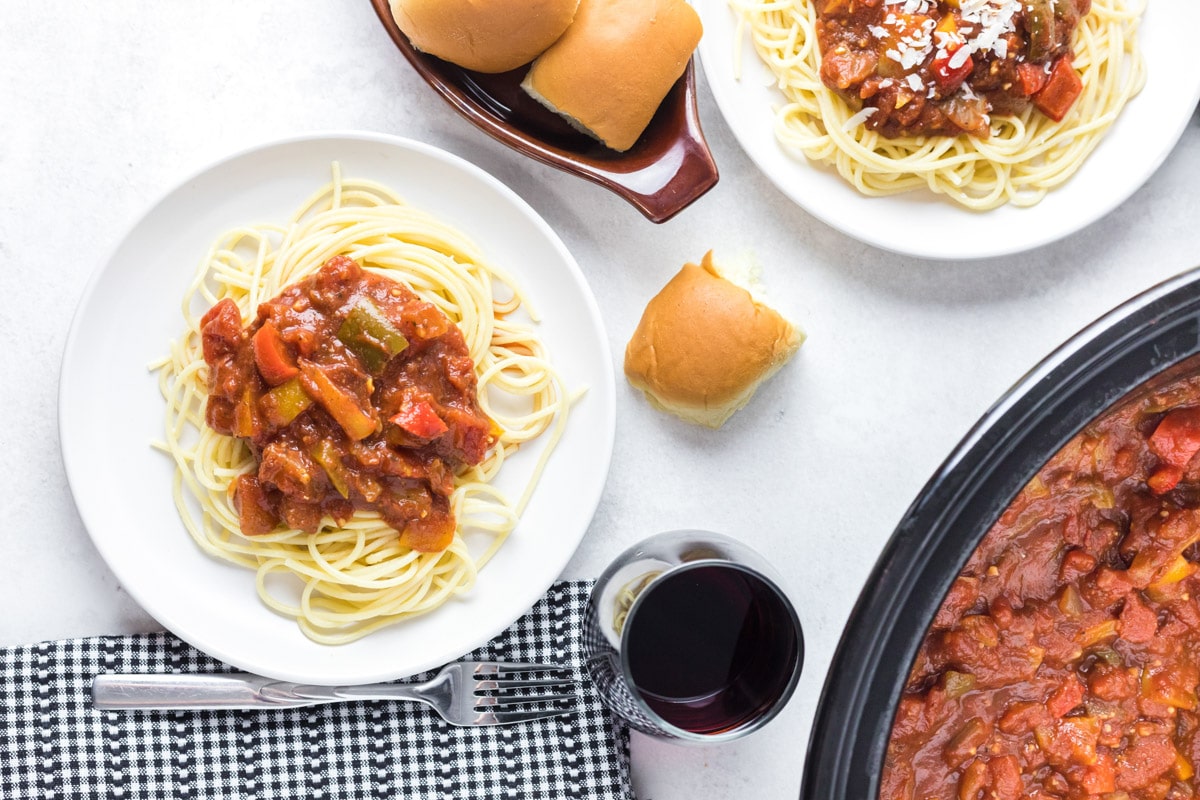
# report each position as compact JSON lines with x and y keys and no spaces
{"x":689,"y":636}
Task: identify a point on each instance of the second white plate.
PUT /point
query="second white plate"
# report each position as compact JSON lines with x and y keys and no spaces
{"x":921,"y":224}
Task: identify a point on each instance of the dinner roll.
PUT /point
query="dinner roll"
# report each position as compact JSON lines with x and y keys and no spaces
{"x":610,"y":71}
{"x":483,"y":35}
{"x":705,"y":344}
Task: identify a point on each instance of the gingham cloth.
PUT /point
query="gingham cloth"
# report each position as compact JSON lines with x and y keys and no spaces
{"x":53,"y":744}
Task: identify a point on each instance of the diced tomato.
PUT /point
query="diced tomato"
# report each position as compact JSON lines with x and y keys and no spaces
{"x":1030,"y":78}
{"x":471,"y":438}
{"x":1101,"y":777}
{"x":1177,"y":437}
{"x":1138,"y":622}
{"x":431,"y":534}
{"x":1144,"y":761}
{"x":843,"y":70}
{"x":1066,"y":697}
{"x":1022,"y":716}
{"x":949,"y":72}
{"x":1175,"y":441}
{"x":894,"y":35}
{"x":220,"y":330}
{"x":1006,"y":778}
{"x":1060,"y":92}
{"x":253,"y":506}
{"x":420,"y":420}
{"x":1112,"y":683}
{"x":1164,"y":479}
{"x":271,"y":357}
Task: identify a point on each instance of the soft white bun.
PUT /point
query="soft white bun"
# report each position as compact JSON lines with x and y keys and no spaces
{"x":704,"y":345}
{"x":612,"y":68}
{"x":484,"y":35}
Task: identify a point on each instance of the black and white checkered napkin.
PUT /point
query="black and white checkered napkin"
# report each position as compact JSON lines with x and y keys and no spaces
{"x":53,"y":744}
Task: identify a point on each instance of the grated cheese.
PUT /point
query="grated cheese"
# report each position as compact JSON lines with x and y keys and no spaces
{"x":912,"y":47}
{"x":910,"y":6}
{"x":994,"y":18}
{"x":984,"y":24}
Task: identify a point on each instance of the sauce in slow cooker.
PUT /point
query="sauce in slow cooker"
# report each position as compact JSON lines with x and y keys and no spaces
{"x":1065,"y":659}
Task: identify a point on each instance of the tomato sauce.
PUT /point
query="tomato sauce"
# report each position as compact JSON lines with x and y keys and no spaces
{"x":353,"y":393}
{"x":943,"y":67}
{"x":1065,"y":659}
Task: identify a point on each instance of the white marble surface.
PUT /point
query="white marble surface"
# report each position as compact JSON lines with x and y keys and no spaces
{"x":104,"y":105}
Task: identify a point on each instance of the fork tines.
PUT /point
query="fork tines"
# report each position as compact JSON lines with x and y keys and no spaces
{"x":510,"y":700}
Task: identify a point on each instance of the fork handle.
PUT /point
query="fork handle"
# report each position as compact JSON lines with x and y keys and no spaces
{"x":233,"y":690}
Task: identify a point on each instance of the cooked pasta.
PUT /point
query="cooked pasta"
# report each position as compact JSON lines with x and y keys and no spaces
{"x":345,"y":581}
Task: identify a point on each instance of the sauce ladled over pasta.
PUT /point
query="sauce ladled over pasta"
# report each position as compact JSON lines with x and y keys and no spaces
{"x":944,"y":67}
{"x":353,"y":393}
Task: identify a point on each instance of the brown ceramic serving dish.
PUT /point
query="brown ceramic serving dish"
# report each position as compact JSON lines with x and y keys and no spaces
{"x":669,"y":167}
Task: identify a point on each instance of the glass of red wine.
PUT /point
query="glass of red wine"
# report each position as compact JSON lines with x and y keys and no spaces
{"x":689,"y":636}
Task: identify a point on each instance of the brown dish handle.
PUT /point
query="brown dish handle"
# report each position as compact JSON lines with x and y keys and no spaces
{"x":682,"y":169}
{"x":668,"y":168}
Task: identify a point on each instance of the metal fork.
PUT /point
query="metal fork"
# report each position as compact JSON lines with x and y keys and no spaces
{"x":463,"y":693}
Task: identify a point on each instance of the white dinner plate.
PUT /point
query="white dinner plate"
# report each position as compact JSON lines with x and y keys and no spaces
{"x":110,"y":408}
{"x":924,"y":224}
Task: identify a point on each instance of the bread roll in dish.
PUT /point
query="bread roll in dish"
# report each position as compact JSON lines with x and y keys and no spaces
{"x":610,"y":71}
{"x":483,"y":35}
{"x":705,"y":344}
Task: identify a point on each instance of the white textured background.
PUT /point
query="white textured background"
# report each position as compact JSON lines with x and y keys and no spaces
{"x":104,"y":105}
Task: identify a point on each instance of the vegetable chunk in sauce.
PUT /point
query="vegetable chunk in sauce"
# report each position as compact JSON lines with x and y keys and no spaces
{"x":1064,"y":662}
{"x":944,"y":67}
{"x":352,"y":393}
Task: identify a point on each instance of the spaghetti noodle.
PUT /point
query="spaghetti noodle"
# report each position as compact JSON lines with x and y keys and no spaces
{"x":1024,"y":156}
{"x":357,"y":577}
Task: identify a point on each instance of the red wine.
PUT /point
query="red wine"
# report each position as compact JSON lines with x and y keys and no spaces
{"x":711,"y":648}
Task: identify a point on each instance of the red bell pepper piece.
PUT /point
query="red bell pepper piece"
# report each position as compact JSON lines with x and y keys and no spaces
{"x":949,"y":72}
{"x":1175,"y":441}
{"x":271,"y":357}
{"x":420,"y":420}
{"x":1062,"y":89}
{"x":1030,"y":78}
